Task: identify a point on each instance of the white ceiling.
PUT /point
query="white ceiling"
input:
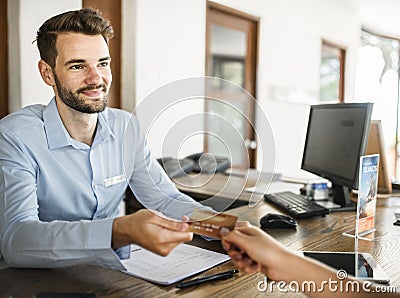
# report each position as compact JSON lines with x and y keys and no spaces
{"x":378,"y":16}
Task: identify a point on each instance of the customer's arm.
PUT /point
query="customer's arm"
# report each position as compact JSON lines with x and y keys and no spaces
{"x":252,"y":250}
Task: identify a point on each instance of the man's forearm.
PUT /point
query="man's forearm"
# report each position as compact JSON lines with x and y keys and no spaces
{"x":37,"y":244}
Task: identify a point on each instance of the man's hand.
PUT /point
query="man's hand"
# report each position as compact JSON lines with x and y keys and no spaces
{"x":151,"y":231}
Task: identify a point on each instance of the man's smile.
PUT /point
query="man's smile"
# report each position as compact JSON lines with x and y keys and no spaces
{"x":93,"y":91}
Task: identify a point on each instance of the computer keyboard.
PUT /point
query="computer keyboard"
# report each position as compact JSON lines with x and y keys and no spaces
{"x":296,"y":205}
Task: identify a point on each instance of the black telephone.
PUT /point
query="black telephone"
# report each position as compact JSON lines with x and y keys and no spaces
{"x":176,"y":167}
{"x":199,"y":162}
{"x":209,"y":163}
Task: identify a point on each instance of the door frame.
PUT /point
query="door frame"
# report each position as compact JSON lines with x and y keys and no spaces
{"x":236,"y":19}
{"x":342,"y":62}
{"x":3,"y":59}
{"x":112,"y":10}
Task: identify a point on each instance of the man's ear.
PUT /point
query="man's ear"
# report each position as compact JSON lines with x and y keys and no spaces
{"x":46,"y":72}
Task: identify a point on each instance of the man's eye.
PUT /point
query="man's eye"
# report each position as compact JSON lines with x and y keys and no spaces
{"x":104,"y":64}
{"x":77,"y":66}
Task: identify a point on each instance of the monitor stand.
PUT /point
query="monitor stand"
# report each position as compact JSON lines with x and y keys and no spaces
{"x":341,"y":196}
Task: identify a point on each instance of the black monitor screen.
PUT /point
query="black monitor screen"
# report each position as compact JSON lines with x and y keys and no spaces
{"x":337,"y":135}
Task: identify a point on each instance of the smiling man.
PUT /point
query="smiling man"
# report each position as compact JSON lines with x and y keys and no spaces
{"x":62,"y":174}
{"x":80,"y":77}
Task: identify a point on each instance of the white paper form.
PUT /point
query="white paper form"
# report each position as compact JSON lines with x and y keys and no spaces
{"x":185,"y":260}
{"x":277,"y":186}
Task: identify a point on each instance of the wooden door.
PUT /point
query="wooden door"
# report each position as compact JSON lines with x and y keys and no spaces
{"x":111,"y":10}
{"x":231,"y":54}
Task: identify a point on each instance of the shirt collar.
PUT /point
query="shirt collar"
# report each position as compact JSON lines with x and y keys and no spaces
{"x":58,"y":136}
{"x":103,"y":132}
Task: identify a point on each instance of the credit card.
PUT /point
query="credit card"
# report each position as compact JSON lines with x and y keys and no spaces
{"x":208,"y":223}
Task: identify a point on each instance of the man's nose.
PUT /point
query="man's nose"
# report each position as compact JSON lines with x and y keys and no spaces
{"x":93,"y":76}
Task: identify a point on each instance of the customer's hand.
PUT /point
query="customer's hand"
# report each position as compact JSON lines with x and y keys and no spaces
{"x":242,"y":224}
{"x":150,"y":230}
{"x":252,"y":250}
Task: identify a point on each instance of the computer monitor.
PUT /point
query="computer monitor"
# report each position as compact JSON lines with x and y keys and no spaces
{"x":337,"y":136}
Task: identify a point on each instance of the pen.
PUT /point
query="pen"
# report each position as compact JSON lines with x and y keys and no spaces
{"x":218,"y":276}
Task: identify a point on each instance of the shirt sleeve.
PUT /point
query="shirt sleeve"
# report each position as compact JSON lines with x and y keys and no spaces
{"x":25,"y":240}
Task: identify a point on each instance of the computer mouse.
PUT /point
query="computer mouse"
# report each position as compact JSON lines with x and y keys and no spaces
{"x":277,"y":221}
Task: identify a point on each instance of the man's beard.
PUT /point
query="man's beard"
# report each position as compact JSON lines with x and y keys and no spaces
{"x":73,"y":100}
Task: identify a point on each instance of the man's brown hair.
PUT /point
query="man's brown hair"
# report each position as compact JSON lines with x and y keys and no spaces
{"x":86,"y":21}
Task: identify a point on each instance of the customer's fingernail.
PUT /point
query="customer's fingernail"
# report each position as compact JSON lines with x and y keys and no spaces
{"x":223,"y":231}
{"x":237,"y":257}
{"x":225,"y":245}
{"x":183,"y":226}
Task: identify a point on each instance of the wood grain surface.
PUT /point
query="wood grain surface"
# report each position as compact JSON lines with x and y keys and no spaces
{"x":315,"y":234}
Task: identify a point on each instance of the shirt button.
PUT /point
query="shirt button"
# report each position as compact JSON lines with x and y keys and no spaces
{"x":95,"y":186}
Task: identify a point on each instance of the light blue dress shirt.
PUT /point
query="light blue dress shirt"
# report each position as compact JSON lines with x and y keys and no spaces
{"x":59,"y":197}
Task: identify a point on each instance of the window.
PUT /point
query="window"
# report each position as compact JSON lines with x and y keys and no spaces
{"x":229,"y":68}
{"x":332,"y":72}
{"x":377,"y":81}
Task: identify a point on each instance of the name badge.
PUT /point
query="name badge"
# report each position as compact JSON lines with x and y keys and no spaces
{"x":114,"y":180}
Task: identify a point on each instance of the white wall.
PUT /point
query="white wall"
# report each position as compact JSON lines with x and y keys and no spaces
{"x":128,"y":55}
{"x":289,"y":126}
{"x":25,"y":17}
{"x":290,"y":41}
{"x":170,"y":45}
{"x":289,"y":56}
